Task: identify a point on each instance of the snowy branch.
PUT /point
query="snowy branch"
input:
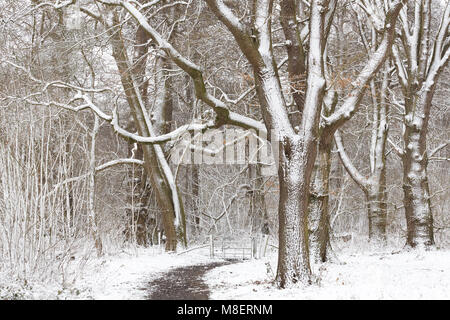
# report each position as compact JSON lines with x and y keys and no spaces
{"x":438,"y":148}
{"x":361,"y":83}
{"x":116,"y":162}
{"x":224,"y":116}
{"x":350,"y":168}
{"x":398,"y":151}
{"x":99,"y":168}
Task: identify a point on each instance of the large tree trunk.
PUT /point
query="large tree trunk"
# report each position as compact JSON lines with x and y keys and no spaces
{"x":419,"y":218}
{"x":293,"y":252}
{"x":297,"y":154}
{"x":318,"y":205}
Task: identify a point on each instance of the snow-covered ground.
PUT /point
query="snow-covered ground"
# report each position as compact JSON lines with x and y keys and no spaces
{"x":376,"y":275}
{"x":120,"y":276}
{"x":370,"y":275}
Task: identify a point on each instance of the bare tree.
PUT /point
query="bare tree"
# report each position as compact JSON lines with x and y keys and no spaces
{"x":419,"y":57}
{"x":373,"y":186}
{"x":384,"y":21}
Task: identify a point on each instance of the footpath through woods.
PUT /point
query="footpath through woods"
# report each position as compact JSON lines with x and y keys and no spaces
{"x":184,"y":283}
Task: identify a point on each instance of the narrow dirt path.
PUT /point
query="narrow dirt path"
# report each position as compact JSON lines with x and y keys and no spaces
{"x":184,"y":283}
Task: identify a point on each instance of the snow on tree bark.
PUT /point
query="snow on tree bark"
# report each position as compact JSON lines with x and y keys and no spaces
{"x":318,"y":207}
{"x":418,"y":78}
{"x":338,"y":117}
{"x":152,"y":155}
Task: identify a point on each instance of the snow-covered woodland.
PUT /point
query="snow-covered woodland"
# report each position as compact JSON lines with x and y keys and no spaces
{"x":261,"y":149}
